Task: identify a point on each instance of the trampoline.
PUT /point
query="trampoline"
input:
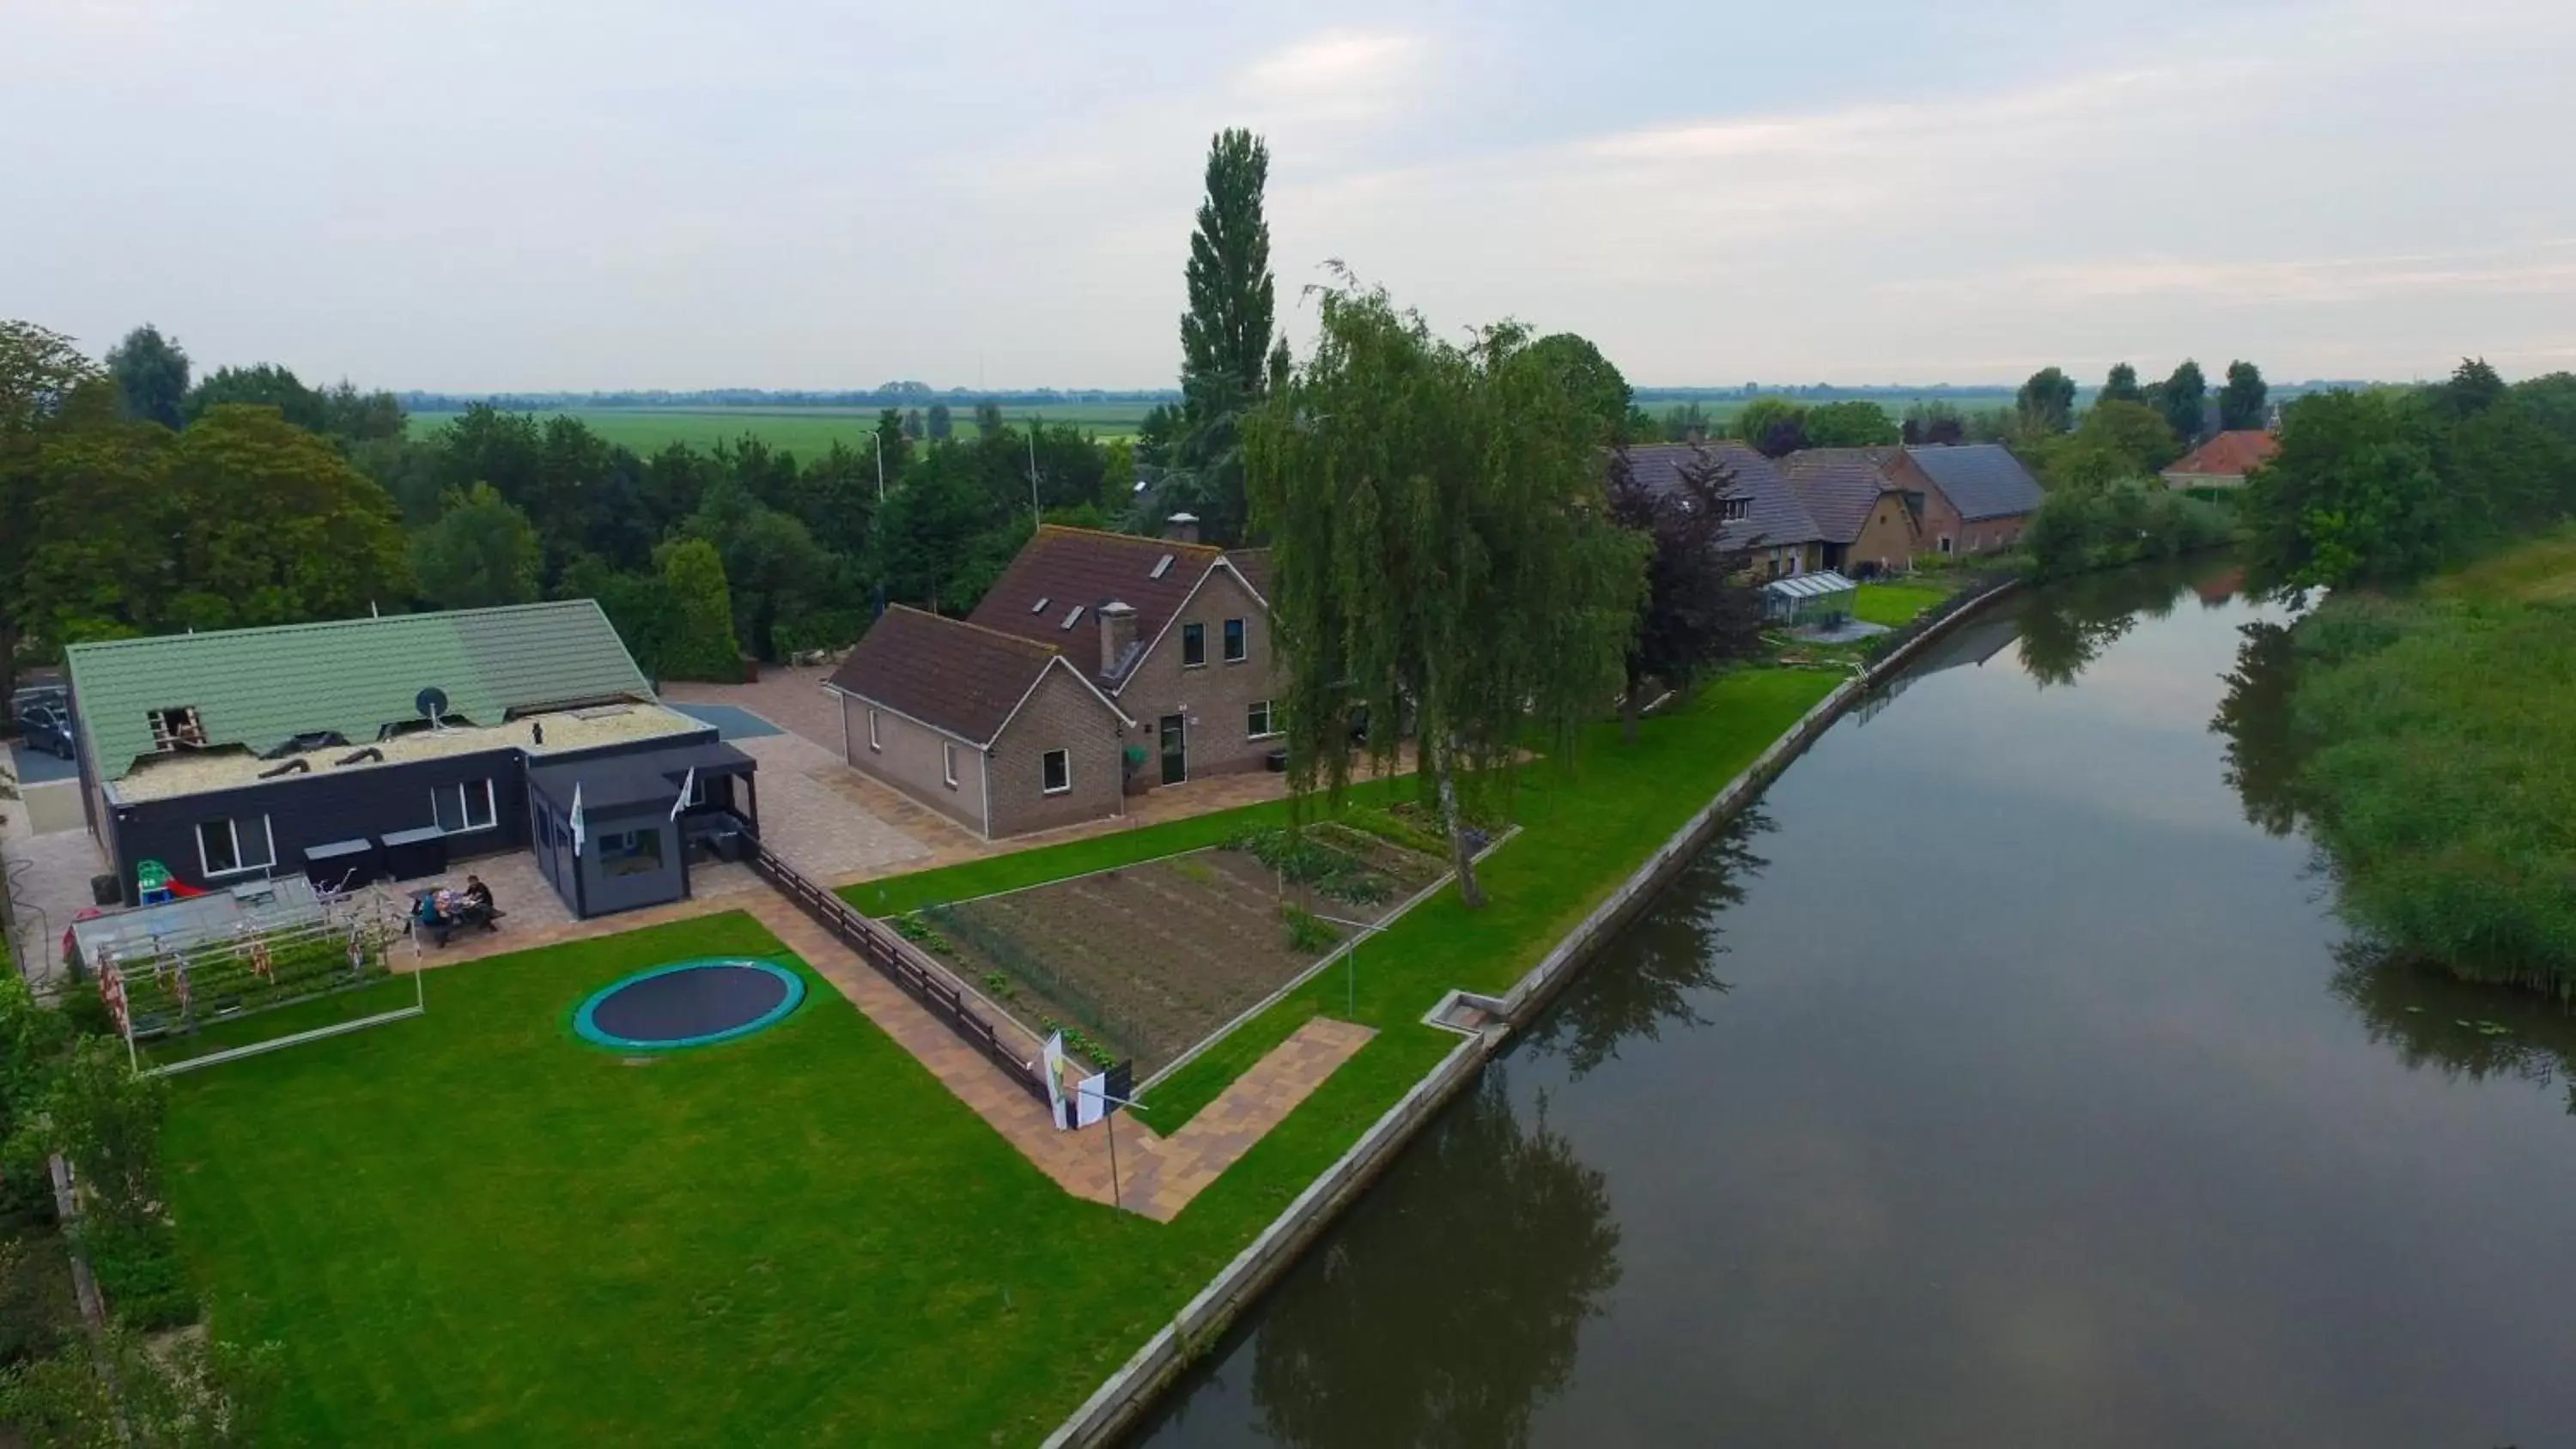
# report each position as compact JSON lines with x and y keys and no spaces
{"x":688,"y":1004}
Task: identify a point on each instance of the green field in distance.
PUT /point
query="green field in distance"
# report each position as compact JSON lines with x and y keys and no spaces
{"x":803,"y":431}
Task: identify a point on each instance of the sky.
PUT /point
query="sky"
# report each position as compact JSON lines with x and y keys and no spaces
{"x":473,"y":195}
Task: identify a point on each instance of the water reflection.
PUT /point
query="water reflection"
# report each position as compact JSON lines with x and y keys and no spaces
{"x":2462,"y":1029}
{"x":1669,"y":956}
{"x":2066,"y":626}
{"x":1391,"y":1343}
{"x":2254,"y":717}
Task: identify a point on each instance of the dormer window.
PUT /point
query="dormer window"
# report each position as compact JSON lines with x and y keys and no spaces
{"x":1072,"y":619}
{"x":177,"y":728}
{"x":1040,"y":606}
{"x":1733,"y":510}
{"x":1162,"y":566}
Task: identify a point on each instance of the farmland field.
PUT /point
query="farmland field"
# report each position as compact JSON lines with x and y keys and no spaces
{"x":803,"y":431}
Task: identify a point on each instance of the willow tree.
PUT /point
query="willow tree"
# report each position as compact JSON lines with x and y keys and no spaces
{"x":1442,"y":556}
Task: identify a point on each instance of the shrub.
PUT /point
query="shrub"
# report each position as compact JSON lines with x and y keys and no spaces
{"x":139,"y":1271}
{"x":1308,"y":934}
{"x":1401,"y":834}
{"x":2081,"y":527}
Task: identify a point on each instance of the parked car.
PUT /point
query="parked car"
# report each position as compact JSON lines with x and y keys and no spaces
{"x":46,"y":727}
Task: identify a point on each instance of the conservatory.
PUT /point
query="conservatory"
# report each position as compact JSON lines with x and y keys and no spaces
{"x":1820,"y":599}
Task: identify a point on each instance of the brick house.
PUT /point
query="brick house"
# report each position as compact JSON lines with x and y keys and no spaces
{"x":2224,"y":460}
{"x":1765,"y":512}
{"x":1976,"y":496}
{"x":1098,"y":665}
{"x":1868,"y":523}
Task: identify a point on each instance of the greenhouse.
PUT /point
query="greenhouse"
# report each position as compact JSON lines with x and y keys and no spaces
{"x":1822,"y":599}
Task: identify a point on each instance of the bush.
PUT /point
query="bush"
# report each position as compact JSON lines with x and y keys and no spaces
{"x":2081,"y":527}
{"x":1308,"y":934}
{"x":139,"y":1272}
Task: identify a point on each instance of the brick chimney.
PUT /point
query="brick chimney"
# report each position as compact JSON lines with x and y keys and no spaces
{"x":1117,"y":634}
{"x":1181,"y":528}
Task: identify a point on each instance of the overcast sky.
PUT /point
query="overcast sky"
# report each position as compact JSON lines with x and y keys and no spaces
{"x":474,"y":195}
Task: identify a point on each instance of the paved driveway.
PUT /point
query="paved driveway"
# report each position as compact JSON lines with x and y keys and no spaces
{"x":790,"y":698}
{"x":35,"y":767}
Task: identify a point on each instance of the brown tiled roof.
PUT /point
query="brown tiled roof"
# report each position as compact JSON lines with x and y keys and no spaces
{"x":1839,"y":486}
{"x":1062,"y":569}
{"x":1254,"y":565}
{"x":2229,"y":455}
{"x":947,"y":673}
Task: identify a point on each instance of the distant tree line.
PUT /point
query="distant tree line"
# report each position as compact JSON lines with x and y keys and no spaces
{"x":892,"y":394}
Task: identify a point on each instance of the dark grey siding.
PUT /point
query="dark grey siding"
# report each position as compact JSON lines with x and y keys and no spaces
{"x":321,"y":807}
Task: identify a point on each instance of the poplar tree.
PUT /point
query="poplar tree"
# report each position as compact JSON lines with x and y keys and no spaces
{"x":1226,"y":334}
{"x":1443,"y":558}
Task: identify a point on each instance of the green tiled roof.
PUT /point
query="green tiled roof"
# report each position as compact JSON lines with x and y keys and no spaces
{"x":263,"y":687}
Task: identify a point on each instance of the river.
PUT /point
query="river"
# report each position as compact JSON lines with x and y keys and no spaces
{"x":2004,"y":1081}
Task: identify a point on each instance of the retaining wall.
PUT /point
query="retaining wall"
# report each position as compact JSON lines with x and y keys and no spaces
{"x":1117,"y":1404}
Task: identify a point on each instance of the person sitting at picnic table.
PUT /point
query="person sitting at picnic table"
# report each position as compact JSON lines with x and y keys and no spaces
{"x":478,"y":899}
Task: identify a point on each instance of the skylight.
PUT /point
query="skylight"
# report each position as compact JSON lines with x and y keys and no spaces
{"x":1070,"y":619}
{"x":1040,"y":606}
{"x":1162,"y":566}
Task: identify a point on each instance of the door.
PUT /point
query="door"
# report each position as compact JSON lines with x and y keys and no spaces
{"x":1176,"y":751}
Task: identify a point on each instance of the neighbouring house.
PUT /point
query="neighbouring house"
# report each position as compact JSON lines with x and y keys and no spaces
{"x":1765,"y":513}
{"x":1976,"y":496}
{"x":2224,"y":460}
{"x":364,"y":748}
{"x":1868,"y":523}
{"x":1099,"y":665}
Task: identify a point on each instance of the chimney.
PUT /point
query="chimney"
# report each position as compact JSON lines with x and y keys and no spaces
{"x":1117,"y":635}
{"x":1181,"y":528}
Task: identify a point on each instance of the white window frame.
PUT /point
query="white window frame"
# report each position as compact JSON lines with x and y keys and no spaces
{"x":1945,"y":543}
{"x":948,"y":762}
{"x":1269,"y":720}
{"x":1043,"y":787}
{"x":1235,"y":636}
{"x":697,"y":795}
{"x":232,"y":828}
{"x":1186,"y":627}
{"x":465,"y":807}
{"x":875,"y":740}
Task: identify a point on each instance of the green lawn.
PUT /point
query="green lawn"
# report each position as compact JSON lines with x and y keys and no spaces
{"x":471,"y":1227}
{"x":1895,"y":605}
{"x":802,"y":431}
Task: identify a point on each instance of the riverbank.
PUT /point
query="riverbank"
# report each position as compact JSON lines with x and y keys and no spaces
{"x":2433,"y":756}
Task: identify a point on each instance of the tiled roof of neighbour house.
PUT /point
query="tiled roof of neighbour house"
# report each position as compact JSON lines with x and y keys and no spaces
{"x":1254,"y":565}
{"x":1774,"y":513}
{"x":2229,"y":455}
{"x":1064,"y":569}
{"x":260,"y":688}
{"x":1981,"y":480}
{"x":953,"y":675}
{"x":1839,"y":486}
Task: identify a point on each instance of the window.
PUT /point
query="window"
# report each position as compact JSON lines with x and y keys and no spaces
{"x":1040,"y":606}
{"x":1945,"y":543}
{"x":1072,"y":618}
{"x":230,"y":847}
{"x":1733,"y":510}
{"x":172,"y":728}
{"x":1057,"y":768}
{"x":461,"y":807}
{"x":1162,"y":566}
{"x":1235,"y":646}
{"x":1797,"y":561}
{"x":948,"y":763}
{"x":1193,"y":645}
{"x":697,"y":793}
{"x":874,"y":741}
{"x":631,"y":852}
{"x":1258,"y":721}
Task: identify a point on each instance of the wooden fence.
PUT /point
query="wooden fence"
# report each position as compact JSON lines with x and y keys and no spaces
{"x":881,"y":949}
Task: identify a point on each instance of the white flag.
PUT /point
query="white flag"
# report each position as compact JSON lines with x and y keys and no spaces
{"x":1055,"y":1080}
{"x":1090,"y":1100}
{"x":576,"y":819}
{"x":686,"y":786}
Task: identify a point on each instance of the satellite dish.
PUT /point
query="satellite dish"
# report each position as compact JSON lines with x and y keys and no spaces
{"x":432,"y":704}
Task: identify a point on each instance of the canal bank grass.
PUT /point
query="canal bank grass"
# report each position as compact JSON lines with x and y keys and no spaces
{"x":2439,"y":763}
{"x":1895,"y":605}
{"x":470,"y":1227}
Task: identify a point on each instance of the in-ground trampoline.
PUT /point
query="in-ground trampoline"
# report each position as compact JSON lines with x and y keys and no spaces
{"x":687,"y":1004}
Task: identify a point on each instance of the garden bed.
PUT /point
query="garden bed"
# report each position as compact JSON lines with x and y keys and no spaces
{"x":1144,"y":961}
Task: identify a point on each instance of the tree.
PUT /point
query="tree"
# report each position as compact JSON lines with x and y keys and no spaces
{"x":702,"y":642}
{"x":988,"y":420}
{"x":2352,"y":496}
{"x":151,"y":373}
{"x":1685,"y":422}
{"x":913,"y":426}
{"x":2120,"y":386}
{"x":43,"y":378}
{"x":2240,"y":403}
{"x":1933,"y":422}
{"x":481,"y":553}
{"x":266,"y":385}
{"x":2473,"y":388}
{"x":938,"y":425}
{"x":1766,"y":418}
{"x":893,"y":444}
{"x":2116,"y":440}
{"x":2046,"y":403}
{"x":1443,"y":554}
{"x":1855,"y":424}
{"x":2182,"y":398}
{"x":1226,"y":333}
{"x":1587,"y":376}
{"x":1695,"y":614}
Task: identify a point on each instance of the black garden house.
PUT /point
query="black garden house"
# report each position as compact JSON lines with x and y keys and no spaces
{"x":376,"y":748}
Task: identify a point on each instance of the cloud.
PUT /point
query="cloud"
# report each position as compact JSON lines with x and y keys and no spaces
{"x":1334,"y":64}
